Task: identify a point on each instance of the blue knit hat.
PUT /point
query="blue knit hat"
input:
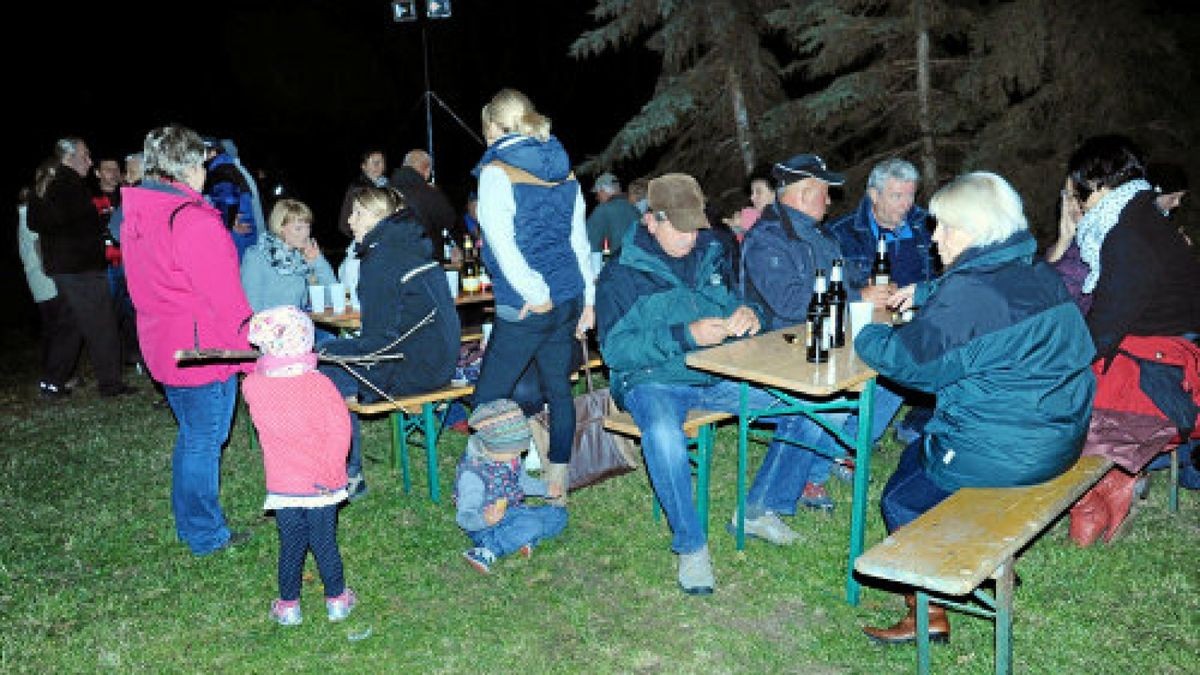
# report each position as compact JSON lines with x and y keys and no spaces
{"x":501,"y":426}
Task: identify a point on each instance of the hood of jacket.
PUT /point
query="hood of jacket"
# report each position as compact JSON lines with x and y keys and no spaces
{"x":398,"y":232}
{"x":545,"y":159}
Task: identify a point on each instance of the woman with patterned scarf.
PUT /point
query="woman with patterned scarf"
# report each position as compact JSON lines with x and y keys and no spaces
{"x":279,"y":268}
{"x":1142,"y":277}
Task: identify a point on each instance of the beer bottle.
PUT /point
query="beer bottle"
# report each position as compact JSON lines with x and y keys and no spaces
{"x":606,"y":252}
{"x":470,"y":268}
{"x":837,"y":302}
{"x":881,"y":270}
{"x":485,"y":280}
{"x":816,"y":344}
{"x":447,"y":246}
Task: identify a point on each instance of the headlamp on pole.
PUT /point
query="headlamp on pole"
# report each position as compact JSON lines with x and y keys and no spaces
{"x":437,"y":9}
{"x":404,"y":10}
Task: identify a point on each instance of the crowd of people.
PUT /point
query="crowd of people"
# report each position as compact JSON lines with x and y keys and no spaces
{"x":1004,"y":365}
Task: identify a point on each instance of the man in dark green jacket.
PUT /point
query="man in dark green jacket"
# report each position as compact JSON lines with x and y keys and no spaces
{"x":669,"y":293}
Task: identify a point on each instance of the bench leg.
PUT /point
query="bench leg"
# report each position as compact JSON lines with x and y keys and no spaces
{"x":704,"y":443}
{"x":429,"y":422}
{"x":922,"y":633}
{"x":1173,"y":502}
{"x":1004,"y":618}
{"x":400,"y":447}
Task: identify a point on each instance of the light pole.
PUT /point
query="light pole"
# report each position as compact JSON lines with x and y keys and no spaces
{"x":405,"y":11}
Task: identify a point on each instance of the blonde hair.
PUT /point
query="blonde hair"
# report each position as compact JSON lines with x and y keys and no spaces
{"x":288,"y":211}
{"x":982,"y":204}
{"x":380,"y":201}
{"x":513,"y":112}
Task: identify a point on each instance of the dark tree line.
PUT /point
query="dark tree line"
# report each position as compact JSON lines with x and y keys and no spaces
{"x":953,"y":86}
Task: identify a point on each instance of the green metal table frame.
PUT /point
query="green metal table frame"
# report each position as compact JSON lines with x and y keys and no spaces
{"x":864,"y":405}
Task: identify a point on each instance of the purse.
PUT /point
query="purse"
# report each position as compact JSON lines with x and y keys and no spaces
{"x":598,"y":454}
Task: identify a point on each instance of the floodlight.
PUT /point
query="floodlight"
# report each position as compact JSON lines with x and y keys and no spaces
{"x":437,"y":9}
{"x":404,"y":10}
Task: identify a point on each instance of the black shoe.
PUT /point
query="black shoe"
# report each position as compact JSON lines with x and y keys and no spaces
{"x":237,"y":538}
{"x":123,"y":390}
{"x":51,"y":392}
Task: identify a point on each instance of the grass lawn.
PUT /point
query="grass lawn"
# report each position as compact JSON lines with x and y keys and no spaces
{"x":93,"y":579}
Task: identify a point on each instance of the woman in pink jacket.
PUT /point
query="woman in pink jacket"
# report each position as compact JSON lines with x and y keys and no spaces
{"x":182,"y":271}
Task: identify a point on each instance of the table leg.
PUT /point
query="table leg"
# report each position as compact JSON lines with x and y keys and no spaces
{"x":743,"y":441}
{"x":862,"y":474}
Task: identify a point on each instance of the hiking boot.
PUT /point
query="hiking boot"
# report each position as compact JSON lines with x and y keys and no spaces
{"x":338,"y":607}
{"x":815,"y":497}
{"x":356,"y":487}
{"x":696,"y":573}
{"x":481,"y":559}
{"x":286,"y":612}
{"x":768,"y":527}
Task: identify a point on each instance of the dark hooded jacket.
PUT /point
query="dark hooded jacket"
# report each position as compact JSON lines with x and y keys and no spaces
{"x":431,"y":207}
{"x":399,"y":283}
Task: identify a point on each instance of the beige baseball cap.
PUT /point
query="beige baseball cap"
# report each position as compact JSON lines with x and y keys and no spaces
{"x":677,"y":197}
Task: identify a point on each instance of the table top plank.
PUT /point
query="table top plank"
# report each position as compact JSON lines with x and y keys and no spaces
{"x":769,"y":360}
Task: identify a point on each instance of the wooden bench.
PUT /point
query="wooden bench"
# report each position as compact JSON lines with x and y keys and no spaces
{"x":974,"y":535}
{"x":700,"y":429}
{"x":410,"y":414}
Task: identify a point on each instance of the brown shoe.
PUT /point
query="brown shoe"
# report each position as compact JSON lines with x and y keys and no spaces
{"x":905,"y":630}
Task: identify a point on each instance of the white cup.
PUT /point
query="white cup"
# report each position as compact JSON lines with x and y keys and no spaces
{"x":487,"y":332}
{"x":337,"y":297}
{"x":316,"y":297}
{"x":452,"y":279}
{"x":860,"y":315}
{"x":597,"y":262}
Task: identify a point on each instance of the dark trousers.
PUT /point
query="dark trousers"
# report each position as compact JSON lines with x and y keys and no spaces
{"x":909,"y":492}
{"x":61,"y":341}
{"x":92,"y":310}
{"x":549,"y":341}
{"x":300,"y":531}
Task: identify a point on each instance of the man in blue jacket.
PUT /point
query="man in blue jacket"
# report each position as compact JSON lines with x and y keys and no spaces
{"x":667,"y":294}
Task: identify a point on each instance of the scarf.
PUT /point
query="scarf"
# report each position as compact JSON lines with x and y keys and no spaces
{"x":1096,"y":223}
{"x":285,"y":259}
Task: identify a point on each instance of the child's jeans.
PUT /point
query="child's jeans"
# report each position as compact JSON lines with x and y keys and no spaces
{"x":521,"y":525}
{"x":301,"y":529}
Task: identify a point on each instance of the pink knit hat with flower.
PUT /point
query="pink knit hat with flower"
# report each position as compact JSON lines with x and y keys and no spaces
{"x":285,"y":336}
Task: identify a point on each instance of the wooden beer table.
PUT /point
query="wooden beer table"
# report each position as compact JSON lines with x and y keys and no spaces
{"x":776,"y":364}
{"x":352,"y":320}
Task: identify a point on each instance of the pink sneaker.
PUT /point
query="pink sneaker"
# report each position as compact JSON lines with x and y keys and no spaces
{"x":286,"y":612}
{"x":338,"y":607}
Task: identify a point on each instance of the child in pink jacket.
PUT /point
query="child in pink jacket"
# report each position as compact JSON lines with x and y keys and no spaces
{"x":304,"y":430}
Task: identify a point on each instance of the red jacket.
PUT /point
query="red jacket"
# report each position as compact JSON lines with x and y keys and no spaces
{"x":1127,"y":427}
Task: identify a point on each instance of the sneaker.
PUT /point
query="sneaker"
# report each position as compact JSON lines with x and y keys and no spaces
{"x":338,"y":607}
{"x":356,"y":487}
{"x":768,"y":527}
{"x":481,"y":559}
{"x":286,"y":612}
{"x":526,"y":551}
{"x":696,"y":573}
{"x":236,"y":538}
{"x":815,"y":497}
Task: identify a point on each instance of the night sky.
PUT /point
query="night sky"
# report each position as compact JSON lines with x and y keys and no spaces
{"x":304,"y":86}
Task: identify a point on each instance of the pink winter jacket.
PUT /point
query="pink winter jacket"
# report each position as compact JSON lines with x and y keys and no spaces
{"x":184,"y":281}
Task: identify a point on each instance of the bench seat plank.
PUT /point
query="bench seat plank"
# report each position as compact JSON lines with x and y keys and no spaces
{"x":622,"y":422}
{"x":412,"y":403}
{"x":955,"y":546}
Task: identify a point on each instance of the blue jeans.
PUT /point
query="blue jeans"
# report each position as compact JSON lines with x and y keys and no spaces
{"x":549,"y":341}
{"x":1189,"y":475}
{"x":887,"y":402}
{"x":204,"y":414}
{"x":909,"y":492}
{"x":660,"y":410}
{"x":521,"y":525}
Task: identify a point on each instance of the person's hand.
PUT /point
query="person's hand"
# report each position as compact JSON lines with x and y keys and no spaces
{"x":587,"y":321}
{"x":902,"y":298}
{"x":743,"y":321}
{"x":492,"y":513}
{"x":878,"y":294}
{"x":709,"y":332}
{"x":535,"y":309}
{"x":311,"y":251}
{"x":240,"y":226}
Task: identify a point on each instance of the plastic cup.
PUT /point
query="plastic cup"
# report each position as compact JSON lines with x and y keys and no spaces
{"x":337,"y":298}
{"x":452,"y":279}
{"x":316,"y":297}
{"x":597,"y":262}
{"x":861,"y":313}
{"x":487,"y":332}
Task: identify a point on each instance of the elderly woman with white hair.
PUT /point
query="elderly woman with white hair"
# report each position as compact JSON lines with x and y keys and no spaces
{"x":1001,"y":344}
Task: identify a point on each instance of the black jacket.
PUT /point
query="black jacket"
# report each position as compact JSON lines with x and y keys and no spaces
{"x":1148,"y":279}
{"x":69,"y":226}
{"x":398,"y":284}
{"x":430,"y":205}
